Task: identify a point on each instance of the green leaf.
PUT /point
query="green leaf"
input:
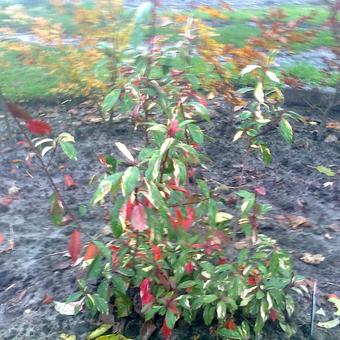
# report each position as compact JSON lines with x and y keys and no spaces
{"x":209,"y":298}
{"x":101,"y":304}
{"x":266,"y":154}
{"x":123,"y":305}
{"x":186,"y":284}
{"x":105,"y":186}
{"x":95,"y":268}
{"x":208,"y":314}
{"x":151,"y":312}
{"x":117,"y":226}
{"x":113,"y":337}
{"x":69,"y":150}
{"x":196,"y":133}
{"x":74,"y":297}
{"x":119,"y":284}
{"x":221,"y":310}
{"x":110,"y":100}
{"x":170,"y":319}
{"x":290,"y":306}
{"x":103,"y":249}
{"x":103,"y":289}
{"x":201,"y":110}
{"x":130,"y":180}
{"x":57,"y":209}
{"x":286,"y":130}
{"x":326,"y":171}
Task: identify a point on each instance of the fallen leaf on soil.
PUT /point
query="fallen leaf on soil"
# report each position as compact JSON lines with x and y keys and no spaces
{"x":294,"y":221}
{"x":334,"y":227}
{"x":326,"y":171}
{"x":99,"y":331}
{"x":15,"y":161}
{"x":312,"y":258}
{"x":333,"y":125}
{"x":13,"y":190}
{"x":47,"y":300}
{"x":68,"y":308}
{"x":334,"y":299}
{"x":320,"y":312}
{"x":328,"y":184}
{"x":328,"y":236}
{"x":329,"y":324}
{"x":6,"y":200}
{"x":245,"y":243}
{"x":261,"y":191}
{"x":69,"y":182}
{"x":64,"y":336}
{"x":331,"y":139}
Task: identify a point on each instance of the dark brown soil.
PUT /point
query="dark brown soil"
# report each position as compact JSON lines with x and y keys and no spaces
{"x":37,"y":266}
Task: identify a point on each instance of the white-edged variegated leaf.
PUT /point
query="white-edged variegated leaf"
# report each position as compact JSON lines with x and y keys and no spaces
{"x":272,"y":76}
{"x":125,"y":151}
{"x":249,"y":69}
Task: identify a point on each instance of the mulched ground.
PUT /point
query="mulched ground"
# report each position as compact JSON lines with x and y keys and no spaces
{"x":38,"y":267}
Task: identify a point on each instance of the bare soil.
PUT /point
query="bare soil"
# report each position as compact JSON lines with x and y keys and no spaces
{"x":38,"y":266}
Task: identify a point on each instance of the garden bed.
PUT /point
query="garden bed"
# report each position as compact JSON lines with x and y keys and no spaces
{"x":38,"y":266}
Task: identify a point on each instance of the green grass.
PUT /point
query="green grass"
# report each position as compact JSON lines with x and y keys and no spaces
{"x":236,"y":34}
{"x":311,"y":75}
{"x":24,"y":82}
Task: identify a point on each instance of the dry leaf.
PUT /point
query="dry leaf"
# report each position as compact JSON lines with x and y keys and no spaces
{"x":294,"y":221}
{"x":312,"y":258}
{"x":245,"y":243}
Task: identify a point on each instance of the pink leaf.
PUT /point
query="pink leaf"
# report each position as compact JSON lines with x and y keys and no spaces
{"x":261,"y":191}
{"x":138,"y":217}
{"x":69,"y":182}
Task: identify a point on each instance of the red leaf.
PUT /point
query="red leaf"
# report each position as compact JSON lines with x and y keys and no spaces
{"x":261,"y":191}
{"x":189,"y":267}
{"x":230,"y":324}
{"x":166,"y":331}
{"x":182,"y":222}
{"x":69,"y":182}
{"x":74,"y":245}
{"x":91,"y":252}
{"x":47,"y":300}
{"x":38,"y":127}
{"x":273,"y":314}
{"x":157,"y":254}
{"x":145,"y":292}
{"x":2,"y":237}
{"x":138,"y":217}
{"x":173,"y":127}
{"x":6,"y":200}
{"x":17,"y":111}
{"x":252,"y":281}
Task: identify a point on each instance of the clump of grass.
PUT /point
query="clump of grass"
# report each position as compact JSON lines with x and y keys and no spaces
{"x":311,"y":75}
